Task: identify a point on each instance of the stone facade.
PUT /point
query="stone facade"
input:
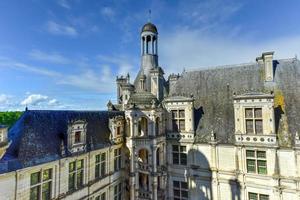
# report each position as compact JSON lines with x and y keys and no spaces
{"x":225,"y":133}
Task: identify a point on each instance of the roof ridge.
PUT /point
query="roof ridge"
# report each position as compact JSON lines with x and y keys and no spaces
{"x":208,"y":68}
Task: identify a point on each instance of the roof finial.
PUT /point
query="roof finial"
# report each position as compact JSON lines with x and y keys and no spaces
{"x":149,"y":17}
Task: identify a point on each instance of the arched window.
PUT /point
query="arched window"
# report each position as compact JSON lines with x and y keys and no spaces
{"x":157,"y":124}
{"x":158,"y":157}
{"x":143,"y":127}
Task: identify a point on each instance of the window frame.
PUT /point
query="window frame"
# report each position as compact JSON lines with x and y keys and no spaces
{"x":41,"y":182}
{"x":253,"y":119}
{"x":180,"y":190}
{"x":177,"y":119}
{"x":117,"y":159}
{"x":100,"y":165}
{"x":180,"y":154}
{"x":77,"y":173}
{"x":118,"y":191}
{"x":258,"y":196}
{"x":256,"y":162}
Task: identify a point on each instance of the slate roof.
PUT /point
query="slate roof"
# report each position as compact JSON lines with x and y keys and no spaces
{"x":214,"y":89}
{"x":38,"y":134}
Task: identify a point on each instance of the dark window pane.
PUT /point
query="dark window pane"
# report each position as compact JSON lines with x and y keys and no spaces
{"x":249,"y":126}
{"x":97,"y":158}
{"x":35,"y":178}
{"x":261,"y":154}
{"x":175,"y":125}
{"x":103,"y":157}
{"x":184,"y":185}
{"x":79,"y":164}
{"x":181,"y":114}
{"x":77,"y":137}
{"x":252,"y":196}
{"x":72,"y":167}
{"x":176,"y":184}
{"x":103,"y":196}
{"x":175,"y":148}
{"x":182,"y":148}
{"x":248,"y":113}
{"x":46,"y":193}
{"x":250,"y":153}
{"x":79,"y":178}
{"x":72,"y":181}
{"x":177,"y":193}
{"x":182,"y":124}
{"x":174,"y":114}
{"x":263,"y":197}
{"x":184,"y":194}
{"x":176,"y":158}
{"x":183,"y":158}
{"x":47,"y":174}
{"x":262,"y":167}
{"x":251,"y":166}
{"x":35,"y":193}
{"x":257,"y":113}
{"x":258,"y":127}
{"x":103,"y":169}
{"x":97,"y":171}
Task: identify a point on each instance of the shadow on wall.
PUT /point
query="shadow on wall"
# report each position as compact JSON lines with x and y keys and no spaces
{"x":235,"y":189}
{"x":198,"y":113}
{"x":200,"y":186}
{"x":278,"y":111}
{"x":201,"y":181}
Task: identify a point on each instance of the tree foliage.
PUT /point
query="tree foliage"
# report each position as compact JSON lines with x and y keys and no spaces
{"x":9,"y":118}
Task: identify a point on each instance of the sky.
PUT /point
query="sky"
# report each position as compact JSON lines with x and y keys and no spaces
{"x":66,"y":54}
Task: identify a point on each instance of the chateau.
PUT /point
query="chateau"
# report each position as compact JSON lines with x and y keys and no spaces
{"x":229,"y":132}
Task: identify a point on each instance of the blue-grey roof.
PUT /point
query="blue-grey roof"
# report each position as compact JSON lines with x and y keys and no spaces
{"x":214,"y":90}
{"x":37,"y":136}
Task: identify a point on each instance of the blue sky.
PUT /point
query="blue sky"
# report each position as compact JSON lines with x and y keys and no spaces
{"x":65,"y":54}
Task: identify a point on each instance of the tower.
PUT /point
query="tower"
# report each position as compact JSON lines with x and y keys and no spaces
{"x":145,"y":136}
{"x":150,"y":77}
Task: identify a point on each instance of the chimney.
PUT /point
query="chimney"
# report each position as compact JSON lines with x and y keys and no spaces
{"x":267,"y":58}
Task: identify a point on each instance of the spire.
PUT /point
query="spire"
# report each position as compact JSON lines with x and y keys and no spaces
{"x":149,"y":15}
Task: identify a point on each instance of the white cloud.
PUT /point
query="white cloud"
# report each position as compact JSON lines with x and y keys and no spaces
{"x":64,"y":4}
{"x":34,"y":99}
{"x":48,"y":57}
{"x":108,"y":13}
{"x":192,"y":49}
{"x":53,"y":102}
{"x":5,"y":99}
{"x":59,"y":29}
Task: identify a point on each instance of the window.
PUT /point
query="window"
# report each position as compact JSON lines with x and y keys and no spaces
{"x":118,"y":131}
{"x":40,"y":185}
{"x":100,"y":169}
{"x":256,"y":162}
{"x":254,"y":122}
{"x":77,"y":136}
{"x":180,"y":190}
{"x":179,"y":155}
{"x":75,"y":174}
{"x":101,"y":197}
{"x":118,"y":192}
{"x":117,"y":159}
{"x":178,"y":120}
{"x":256,"y":196}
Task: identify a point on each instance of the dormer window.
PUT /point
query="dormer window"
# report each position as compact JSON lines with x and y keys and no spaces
{"x":116,"y":126}
{"x":77,"y":136}
{"x":254,"y":121}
